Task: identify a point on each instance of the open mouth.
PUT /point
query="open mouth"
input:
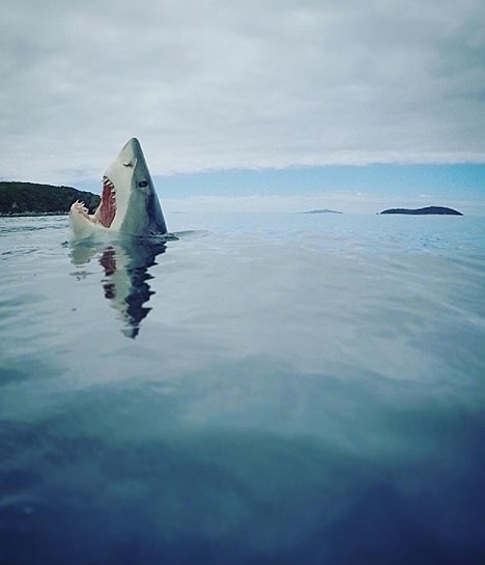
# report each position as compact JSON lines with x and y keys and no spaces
{"x":107,"y":209}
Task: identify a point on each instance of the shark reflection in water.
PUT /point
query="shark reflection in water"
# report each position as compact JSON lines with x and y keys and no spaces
{"x":125,"y":281}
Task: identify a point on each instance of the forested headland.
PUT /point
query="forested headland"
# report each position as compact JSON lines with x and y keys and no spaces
{"x":26,"y":198}
{"x":439,"y":210}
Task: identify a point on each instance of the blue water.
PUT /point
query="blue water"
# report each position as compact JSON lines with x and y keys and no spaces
{"x":271,"y":389}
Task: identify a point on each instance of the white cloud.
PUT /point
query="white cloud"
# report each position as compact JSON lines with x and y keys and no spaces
{"x":254,"y":84}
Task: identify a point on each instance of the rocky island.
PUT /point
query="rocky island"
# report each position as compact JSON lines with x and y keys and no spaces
{"x":440,"y":210}
{"x":32,"y":199}
{"x":322,"y":211}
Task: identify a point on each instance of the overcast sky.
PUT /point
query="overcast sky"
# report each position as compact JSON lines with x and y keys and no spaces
{"x":213,"y":85}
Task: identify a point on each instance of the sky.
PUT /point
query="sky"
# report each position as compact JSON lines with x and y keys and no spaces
{"x":254,"y":104}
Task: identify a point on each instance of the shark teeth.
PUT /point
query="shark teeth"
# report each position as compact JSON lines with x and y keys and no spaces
{"x":107,"y":209}
{"x":81,"y":208}
{"x":108,"y":187}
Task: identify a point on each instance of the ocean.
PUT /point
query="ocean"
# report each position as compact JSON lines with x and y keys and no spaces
{"x":268,"y":389}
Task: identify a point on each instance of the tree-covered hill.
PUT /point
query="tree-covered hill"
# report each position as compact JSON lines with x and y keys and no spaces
{"x":440,"y":210}
{"x":24,"y":198}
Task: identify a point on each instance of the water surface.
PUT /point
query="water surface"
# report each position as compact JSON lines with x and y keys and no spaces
{"x":268,"y":389}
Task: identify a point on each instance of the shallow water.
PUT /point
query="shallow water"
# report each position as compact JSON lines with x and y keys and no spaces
{"x":268,"y":389}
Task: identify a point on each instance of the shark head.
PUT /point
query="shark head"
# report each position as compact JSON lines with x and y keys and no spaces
{"x":129,"y":203}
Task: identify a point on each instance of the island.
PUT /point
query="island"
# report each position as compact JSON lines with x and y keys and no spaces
{"x":33,"y":199}
{"x":440,"y":210}
{"x":322,"y":211}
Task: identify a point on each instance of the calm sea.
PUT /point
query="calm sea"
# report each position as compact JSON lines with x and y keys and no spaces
{"x":274,"y":389}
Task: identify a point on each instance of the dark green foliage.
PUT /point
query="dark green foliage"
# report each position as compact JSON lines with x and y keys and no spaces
{"x":23,"y":198}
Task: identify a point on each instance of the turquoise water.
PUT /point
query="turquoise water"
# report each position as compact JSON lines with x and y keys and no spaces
{"x":267,"y":389}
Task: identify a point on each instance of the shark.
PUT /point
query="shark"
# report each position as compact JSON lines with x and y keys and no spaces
{"x":129,"y":203}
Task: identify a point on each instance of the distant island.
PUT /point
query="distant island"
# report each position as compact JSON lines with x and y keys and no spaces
{"x":322,"y":211}
{"x":32,"y":199}
{"x":440,"y":210}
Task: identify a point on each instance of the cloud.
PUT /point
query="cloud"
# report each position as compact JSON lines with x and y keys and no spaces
{"x":254,"y":84}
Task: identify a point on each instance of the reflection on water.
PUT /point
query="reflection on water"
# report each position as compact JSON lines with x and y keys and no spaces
{"x":125,"y":283}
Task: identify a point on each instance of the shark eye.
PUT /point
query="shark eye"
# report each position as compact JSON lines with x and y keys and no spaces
{"x":143,"y":183}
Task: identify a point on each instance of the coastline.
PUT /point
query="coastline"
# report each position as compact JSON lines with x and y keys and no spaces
{"x":31,"y":214}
